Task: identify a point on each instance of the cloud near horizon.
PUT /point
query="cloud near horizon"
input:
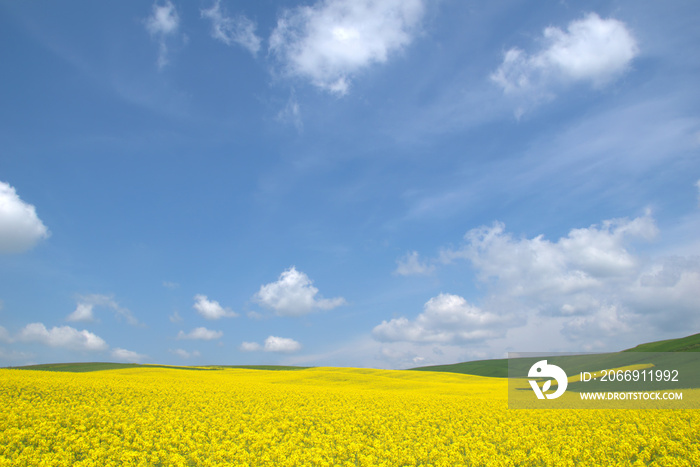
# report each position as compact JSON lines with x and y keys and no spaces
{"x":182,"y":353}
{"x":200,"y":333}
{"x":63,"y":337}
{"x":446,"y":319}
{"x":129,"y":356}
{"x":272,"y":344}
{"x":590,"y":282}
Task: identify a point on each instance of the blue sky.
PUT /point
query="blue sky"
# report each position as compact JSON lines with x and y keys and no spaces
{"x":385,"y":183}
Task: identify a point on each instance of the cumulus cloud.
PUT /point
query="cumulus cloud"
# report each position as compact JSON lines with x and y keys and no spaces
{"x":62,"y":336}
{"x":331,"y":41}
{"x":211,"y":309}
{"x":232,"y":30}
{"x":294,"y":295}
{"x":590,"y":281}
{"x":130,"y":356}
{"x":84,"y":312}
{"x":272,"y":344}
{"x":250,"y":346}
{"x":410,"y":265}
{"x":20,"y":227}
{"x":200,"y":333}
{"x":446,"y":319}
{"x":163,"y":23}
{"x":555,"y":273}
{"x":281,"y":344}
{"x":592,"y":49}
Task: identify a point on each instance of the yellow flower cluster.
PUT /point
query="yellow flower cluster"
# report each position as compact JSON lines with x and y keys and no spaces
{"x":315,"y":417}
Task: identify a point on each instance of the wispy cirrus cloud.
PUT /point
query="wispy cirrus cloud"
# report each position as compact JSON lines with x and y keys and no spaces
{"x":84,"y":311}
{"x":232,"y":30}
{"x":130,"y":356}
{"x":410,"y":265}
{"x":162,"y":24}
{"x":331,"y":41}
{"x":182,"y":353}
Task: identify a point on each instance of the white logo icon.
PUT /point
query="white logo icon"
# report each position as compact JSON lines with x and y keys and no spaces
{"x":542,"y":370}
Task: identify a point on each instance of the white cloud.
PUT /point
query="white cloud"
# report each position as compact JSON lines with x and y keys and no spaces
{"x":200,"y":333}
{"x":250,"y":346}
{"x":591,"y":49}
{"x":130,"y":356}
{"x":294,"y":295}
{"x":272,"y":344}
{"x":238,"y":30}
{"x":170,"y":285}
{"x":281,"y":344}
{"x":163,"y":22}
{"x":410,"y":265}
{"x":588,"y":290}
{"x":333,"y":40}
{"x":446,"y":319}
{"x":211,"y":309}
{"x":20,"y":227}
{"x":185,"y":354}
{"x":62,"y":336}
{"x":84,"y":312}
{"x":585,"y":259}
{"x":590,"y":281}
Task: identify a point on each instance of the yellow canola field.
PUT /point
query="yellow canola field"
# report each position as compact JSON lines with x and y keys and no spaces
{"x":315,"y":417}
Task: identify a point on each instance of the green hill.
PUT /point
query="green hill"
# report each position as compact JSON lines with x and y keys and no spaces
{"x":499,"y":367}
{"x":683,"y":344}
